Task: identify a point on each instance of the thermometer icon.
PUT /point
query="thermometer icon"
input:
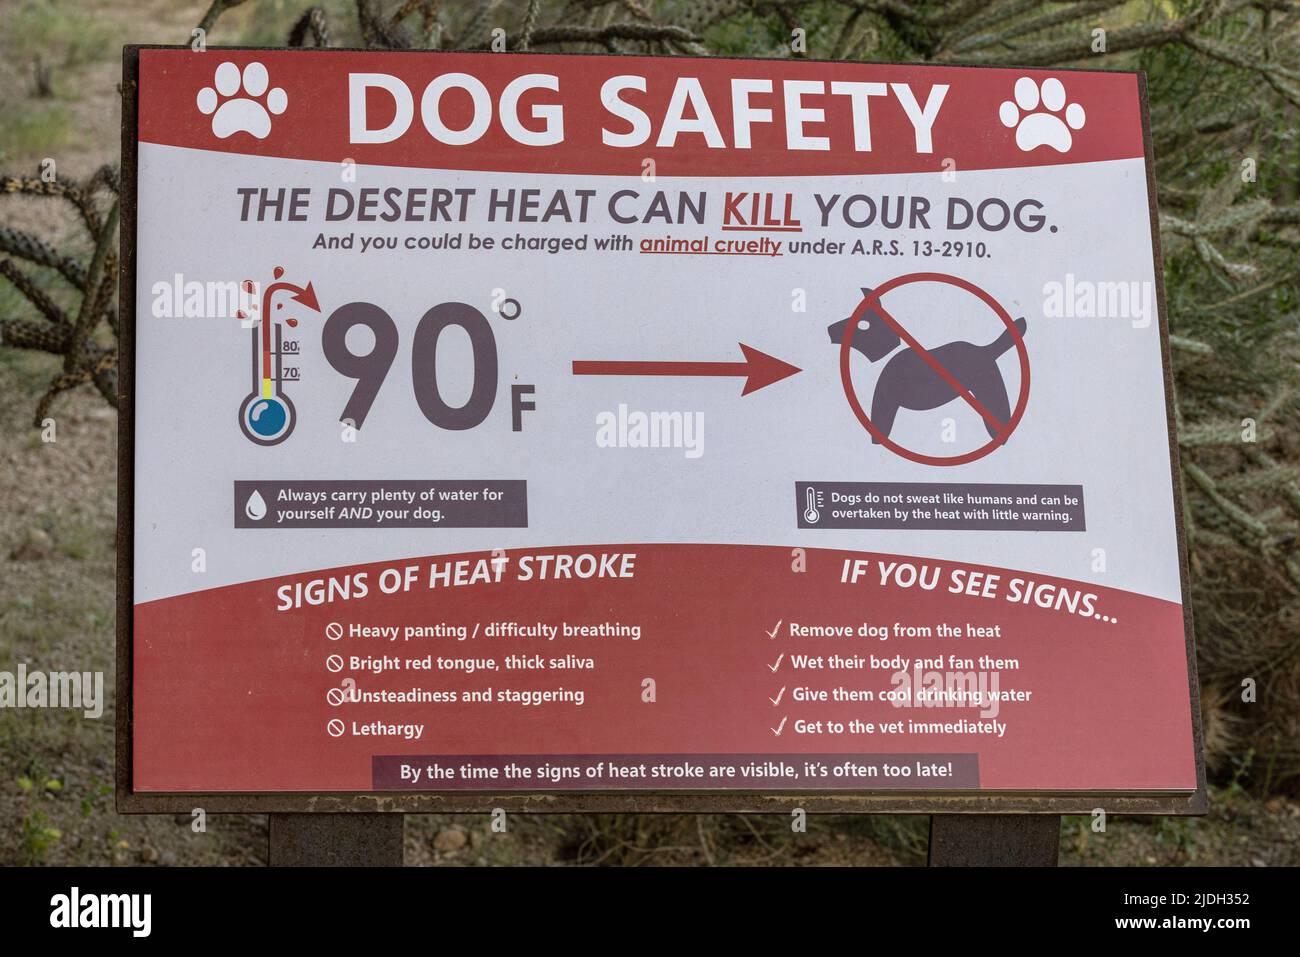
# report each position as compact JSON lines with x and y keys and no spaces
{"x":266,"y":415}
{"x":810,"y":513}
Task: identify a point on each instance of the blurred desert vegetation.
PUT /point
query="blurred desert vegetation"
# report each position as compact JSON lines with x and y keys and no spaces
{"x":1224,"y":88}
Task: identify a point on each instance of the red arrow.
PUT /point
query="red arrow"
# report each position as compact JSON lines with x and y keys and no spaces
{"x":308,"y":298}
{"x":759,"y":369}
{"x":305,"y":296}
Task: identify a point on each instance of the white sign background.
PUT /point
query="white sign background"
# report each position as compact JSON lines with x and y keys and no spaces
{"x":1096,"y":415}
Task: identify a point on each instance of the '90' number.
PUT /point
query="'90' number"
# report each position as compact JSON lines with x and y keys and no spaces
{"x":371,"y":369}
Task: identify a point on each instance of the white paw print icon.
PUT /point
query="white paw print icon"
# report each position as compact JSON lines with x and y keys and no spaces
{"x":250,"y":111}
{"x":1041,"y":127}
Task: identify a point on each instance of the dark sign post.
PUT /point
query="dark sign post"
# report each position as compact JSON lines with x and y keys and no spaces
{"x":994,"y":840}
{"x":465,"y":399}
{"x":335,"y":840}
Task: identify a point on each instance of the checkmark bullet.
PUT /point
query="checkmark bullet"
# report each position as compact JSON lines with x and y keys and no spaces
{"x":772,"y":633}
{"x":778,"y":662}
{"x":780,"y":727}
{"x":779,"y":695}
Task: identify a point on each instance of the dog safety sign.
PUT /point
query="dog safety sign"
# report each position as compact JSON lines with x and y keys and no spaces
{"x":517,"y":424}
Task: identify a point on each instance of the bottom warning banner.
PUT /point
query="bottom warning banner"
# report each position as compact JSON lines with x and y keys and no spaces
{"x":673,"y":772}
{"x":661,"y":667}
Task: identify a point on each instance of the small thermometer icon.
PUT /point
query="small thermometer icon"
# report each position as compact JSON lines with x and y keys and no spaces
{"x":810,"y":513}
{"x":266,"y":415}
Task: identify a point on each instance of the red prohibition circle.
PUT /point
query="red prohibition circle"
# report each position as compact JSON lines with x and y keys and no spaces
{"x":846,"y":373}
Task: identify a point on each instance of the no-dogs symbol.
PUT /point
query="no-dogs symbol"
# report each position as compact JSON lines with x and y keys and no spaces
{"x":919,"y":378}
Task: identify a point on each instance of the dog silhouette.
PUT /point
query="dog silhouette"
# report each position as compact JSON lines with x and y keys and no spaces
{"x":908,"y":382}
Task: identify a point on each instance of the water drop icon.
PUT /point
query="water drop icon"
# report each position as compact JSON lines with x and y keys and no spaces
{"x":255,"y":507}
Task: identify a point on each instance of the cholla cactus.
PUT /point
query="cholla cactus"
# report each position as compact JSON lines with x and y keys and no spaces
{"x":75,"y":334}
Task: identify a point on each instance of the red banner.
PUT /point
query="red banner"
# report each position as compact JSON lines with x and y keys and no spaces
{"x":611,"y":115}
{"x":749,"y":657}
